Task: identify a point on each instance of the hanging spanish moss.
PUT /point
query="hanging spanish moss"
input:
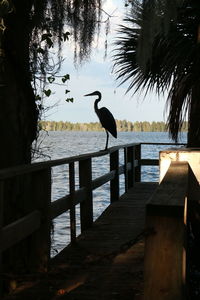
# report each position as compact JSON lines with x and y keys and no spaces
{"x":32,"y":35}
{"x":57,"y":21}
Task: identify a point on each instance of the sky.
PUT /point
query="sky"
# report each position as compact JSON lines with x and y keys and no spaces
{"x":96,"y":74}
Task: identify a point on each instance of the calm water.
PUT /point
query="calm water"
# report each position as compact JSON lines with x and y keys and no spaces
{"x":58,"y":144}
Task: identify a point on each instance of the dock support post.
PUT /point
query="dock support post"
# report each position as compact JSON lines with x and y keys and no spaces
{"x":138,"y":167}
{"x":131,"y":172}
{"x":165,"y":245}
{"x":85,"y":180}
{"x":73,"y":208}
{"x":114,"y":184}
{"x":125,"y":169}
{"x":1,"y":225}
{"x":40,"y":241}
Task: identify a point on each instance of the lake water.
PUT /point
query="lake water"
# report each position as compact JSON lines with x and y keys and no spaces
{"x":60,"y":144}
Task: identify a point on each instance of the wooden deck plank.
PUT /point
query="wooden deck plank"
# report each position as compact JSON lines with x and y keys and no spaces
{"x":106,"y":262}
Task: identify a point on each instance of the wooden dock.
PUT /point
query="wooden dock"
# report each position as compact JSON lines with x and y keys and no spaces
{"x":105,"y":262}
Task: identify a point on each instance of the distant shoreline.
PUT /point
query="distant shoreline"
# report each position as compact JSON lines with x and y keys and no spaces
{"x":122,"y":126}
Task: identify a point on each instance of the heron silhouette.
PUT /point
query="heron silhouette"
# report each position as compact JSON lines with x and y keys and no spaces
{"x":105,"y":117}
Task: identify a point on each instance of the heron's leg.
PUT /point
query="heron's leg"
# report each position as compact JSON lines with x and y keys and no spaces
{"x":107,"y":140}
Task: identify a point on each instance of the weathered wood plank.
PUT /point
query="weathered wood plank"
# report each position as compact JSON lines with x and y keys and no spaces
{"x":61,"y":205}
{"x":131,"y":168}
{"x":35,"y":167}
{"x":120,"y":222}
{"x":175,"y":144}
{"x":165,"y":259}
{"x":106,"y":262}
{"x":40,"y":240}
{"x":19,"y":230}
{"x":114,"y":184}
{"x":125,"y":170}
{"x":138,"y":166}
{"x":170,"y":195}
{"x":85,"y":180}
{"x":102,"y":179}
{"x":72,"y":198}
{"x":1,"y":225}
{"x":149,"y":162}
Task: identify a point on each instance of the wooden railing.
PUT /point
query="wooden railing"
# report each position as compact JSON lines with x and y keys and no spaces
{"x":165,"y":246}
{"x":37,"y":223}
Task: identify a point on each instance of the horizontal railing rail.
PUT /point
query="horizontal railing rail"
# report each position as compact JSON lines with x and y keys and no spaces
{"x":34,"y":167}
{"x":37,"y":222}
{"x":163,"y":144}
{"x":19,"y":230}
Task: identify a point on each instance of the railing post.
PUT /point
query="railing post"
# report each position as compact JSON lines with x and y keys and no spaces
{"x":85,"y":180}
{"x":114,"y":184}
{"x":40,"y":241}
{"x":1,"y":225}
{"x":194,"y":209}
{"x":131,"y":172}
{"x":125,"y":170}
{"x":73,"y":208}
{"x":138,"y":167}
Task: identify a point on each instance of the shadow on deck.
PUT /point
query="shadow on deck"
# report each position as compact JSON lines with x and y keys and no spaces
{"x":106,"y":261}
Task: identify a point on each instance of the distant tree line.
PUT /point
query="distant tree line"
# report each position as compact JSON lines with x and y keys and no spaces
{"x":122,"y":125}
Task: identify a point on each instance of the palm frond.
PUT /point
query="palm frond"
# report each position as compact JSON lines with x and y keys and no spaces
{"x":179,"y":100}
{"x":152,"y":55}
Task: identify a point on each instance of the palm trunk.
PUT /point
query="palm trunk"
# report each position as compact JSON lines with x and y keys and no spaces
{"x":194,"y":119}
{"x":193,"y":199}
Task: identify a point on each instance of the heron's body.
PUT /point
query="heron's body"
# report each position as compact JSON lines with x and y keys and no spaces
{"x":105,"y":117}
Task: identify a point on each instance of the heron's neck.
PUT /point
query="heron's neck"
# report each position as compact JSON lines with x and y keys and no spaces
{"x":96,"y":104}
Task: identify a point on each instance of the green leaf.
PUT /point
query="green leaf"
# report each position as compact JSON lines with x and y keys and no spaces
{"x":66,"y":36}
{"x":65,"y":78}
{"x":40,"y":50}
{"x":40,"y":107}
{"x":49,"y":42}
{"x":37,"y":98}
{"x":47,"y":92}
{"x":51,"y":79}
{"x":46,"y":36}
{"x":70,"y":100}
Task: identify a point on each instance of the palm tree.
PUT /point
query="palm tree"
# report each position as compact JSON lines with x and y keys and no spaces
{"x":160,"y":48}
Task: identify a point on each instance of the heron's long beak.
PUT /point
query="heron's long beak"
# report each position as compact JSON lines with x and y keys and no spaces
{"x":90,"y":94}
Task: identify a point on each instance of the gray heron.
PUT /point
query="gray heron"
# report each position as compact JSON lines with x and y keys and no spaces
{"x":105,"y":117}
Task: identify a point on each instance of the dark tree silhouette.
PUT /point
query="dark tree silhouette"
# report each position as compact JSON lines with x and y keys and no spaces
{"x":28,"y":31}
